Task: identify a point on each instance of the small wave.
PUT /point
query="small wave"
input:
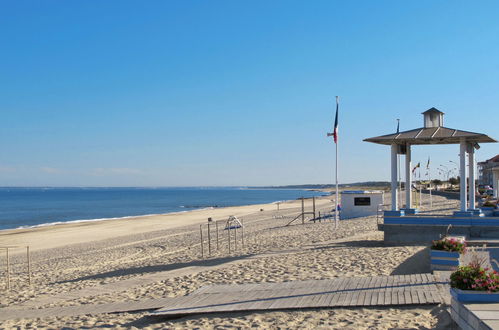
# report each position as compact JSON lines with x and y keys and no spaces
{"x":55,"y":223}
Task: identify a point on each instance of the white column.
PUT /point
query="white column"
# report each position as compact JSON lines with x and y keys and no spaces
{"x":408,"y":177}
{"x":495,"y":182}
{"x":471,"y":163}
{"x":394,"y":178}
{"x":462,"y":175}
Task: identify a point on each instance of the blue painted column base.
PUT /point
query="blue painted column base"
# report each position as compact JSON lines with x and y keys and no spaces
{"x":463,"y":214}
{"x":476,"y":212}
{"x":411,"y":211}
{"x":399,"y":213}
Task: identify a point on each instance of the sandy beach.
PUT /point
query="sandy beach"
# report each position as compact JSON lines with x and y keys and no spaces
{"x":70,"y":259}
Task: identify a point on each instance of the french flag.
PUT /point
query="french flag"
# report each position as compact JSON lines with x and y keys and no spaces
{"x":335,"y":132}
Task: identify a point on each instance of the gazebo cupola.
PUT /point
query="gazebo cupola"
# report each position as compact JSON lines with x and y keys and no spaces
{"x":433,"y":118}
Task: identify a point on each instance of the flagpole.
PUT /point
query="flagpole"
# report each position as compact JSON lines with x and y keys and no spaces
{"x":336,"y":177}
{"x":399,"y":193}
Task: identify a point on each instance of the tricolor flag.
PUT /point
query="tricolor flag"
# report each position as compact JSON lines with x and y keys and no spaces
{"x":415,"y":167}
{"x":335,"y":131}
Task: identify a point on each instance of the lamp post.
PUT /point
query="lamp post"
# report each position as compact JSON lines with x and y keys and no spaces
{"x":446,"y":170}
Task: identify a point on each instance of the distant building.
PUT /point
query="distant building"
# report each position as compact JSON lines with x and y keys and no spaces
{"x":485,"y":175}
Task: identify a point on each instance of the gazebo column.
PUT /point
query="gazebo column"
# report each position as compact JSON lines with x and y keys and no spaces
{"x":394,"y":185}
{"x":408,"y":180}
{"x":471,"y":162}
{"x":462,"y":175}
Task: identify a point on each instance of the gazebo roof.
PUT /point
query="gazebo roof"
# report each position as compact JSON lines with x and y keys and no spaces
{"x":431,"y":135}
{"x":432,"y":110}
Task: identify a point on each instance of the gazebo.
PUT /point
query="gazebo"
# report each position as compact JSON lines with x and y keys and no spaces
{"x":433,"y":132}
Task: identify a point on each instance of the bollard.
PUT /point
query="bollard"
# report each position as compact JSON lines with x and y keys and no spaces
{"x":209,"y":240}
{"x":29,"y":265}
{"x":242,"y":231}
{"x":216,"y":227}
{"x":313,"y":204}
{"x":235,"y":238}
{"x":302,"y":210}
{"x":201,"y":232}
{"x":8,"y":269}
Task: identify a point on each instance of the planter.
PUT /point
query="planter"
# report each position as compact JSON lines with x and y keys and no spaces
{"x":444,"y":260}
{"x":471,"y":296}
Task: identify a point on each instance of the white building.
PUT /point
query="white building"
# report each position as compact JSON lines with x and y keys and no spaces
{"x":485,"y":173}
{"x":360,"y":203}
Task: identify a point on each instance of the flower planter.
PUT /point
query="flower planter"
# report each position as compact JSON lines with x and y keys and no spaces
{"x":444,"y":260}
{"x":472,"y":296}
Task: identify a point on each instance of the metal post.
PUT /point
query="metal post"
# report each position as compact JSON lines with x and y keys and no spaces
{"x":408,"y":178}
{"x":201,"y":232}
{"x":228,"y":233}
{"x":302,"y":210}
{"x":29,"y":265}
{"x":209,"y":240}
{"x":216,"y":227}
{"x":235,"y":238}
{"x":242,"y":231}
{"x":8,"y":269}
{"x":471,"y":171}
{"x":313,"y":204}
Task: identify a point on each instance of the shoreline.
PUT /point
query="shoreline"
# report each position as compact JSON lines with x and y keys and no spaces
{"x":54,"y":235}
{"x":56,"y":222}
{"x":114,"y":262}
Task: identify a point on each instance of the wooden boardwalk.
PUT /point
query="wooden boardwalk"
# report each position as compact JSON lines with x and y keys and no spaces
{"x":414,"y":289}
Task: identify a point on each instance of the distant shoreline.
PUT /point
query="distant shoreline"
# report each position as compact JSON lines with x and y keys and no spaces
{"x":83,"y":206}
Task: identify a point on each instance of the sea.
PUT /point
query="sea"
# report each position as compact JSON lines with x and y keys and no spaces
{"x":34,"y":207}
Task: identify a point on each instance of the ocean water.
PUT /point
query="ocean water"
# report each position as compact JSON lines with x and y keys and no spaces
{"x":28,"y":207}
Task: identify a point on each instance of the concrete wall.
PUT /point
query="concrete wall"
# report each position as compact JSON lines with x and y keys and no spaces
{"x":350,"y":210}
{"x":424,"y":234}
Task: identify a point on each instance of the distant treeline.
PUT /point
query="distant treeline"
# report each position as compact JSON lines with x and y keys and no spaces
{"x":376,"y":184}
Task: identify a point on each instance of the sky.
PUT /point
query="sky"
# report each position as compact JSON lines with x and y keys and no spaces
{"x":231,"y":93}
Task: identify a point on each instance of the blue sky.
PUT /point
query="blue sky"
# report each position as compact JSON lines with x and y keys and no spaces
{"x":183,"y":93}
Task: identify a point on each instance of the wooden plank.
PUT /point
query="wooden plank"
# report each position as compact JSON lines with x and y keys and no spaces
{"x":421,"y":296}
{"x":341,"y":299}
{"x":401,"y":297}
{"x":394,"y":298}
{"x":333,"y":296}
{"x":381,"y":298}
{"x":428,"y":296}
{"x":374,"y":299}
{"x":367,"y":298}
{"x":354,"y":300}
{"x":348,"y":298}
{"x":408,"y":297}
{"x":415,"y":298}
